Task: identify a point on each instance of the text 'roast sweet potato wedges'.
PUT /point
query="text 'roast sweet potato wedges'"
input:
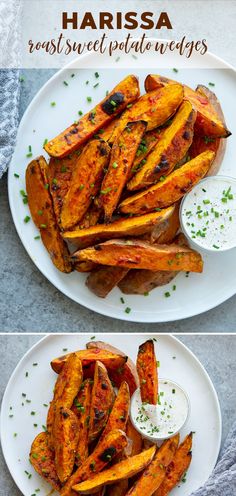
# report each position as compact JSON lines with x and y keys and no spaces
{"x":78,"y":133}
{"x":42,"y":459}
{"x":66,"y":436}
{"x":147,"y":372}
{"x":81,"y":409}
{"x":88,"y":357}
{"x":101,"y":402}
{"x":41,"y":209}
{"x":171,"y":189}
{"x":141,"y":255}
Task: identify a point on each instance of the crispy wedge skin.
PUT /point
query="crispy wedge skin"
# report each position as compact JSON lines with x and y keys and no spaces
{"x":120,"y":411}
{"x":81,"y":409}
{"x":42,"y":459}
{"x":41,"y":209}
{"x":134,"y":226}
{"x":172,"y":226}
{"x":126,"y":372}
{"x":101,"y":402}
{"x":177,"y":467}
{"x":123,"y":470}
{"x":149,"y":141}
{"x":169,"y":191}
{"x":111,"y":360}
{"x":135,"y":438}
{"x":78,"y":133}
{"x":119,"y":489}
{"x":66,"y":436}
{"x":155,"y":108}
{"x":147,"y":372}
{"x":141,"y":255}
{"x":85,"y":182}
{"x":122,"y":156}
{"x":89,"y":219}
{"x":208,"y":123}
{"x":154,"y":474}
{"x":84,"y":266}
{"x":103,"y":279}
{"x":111,"y":445}
{"x":170,"y":149}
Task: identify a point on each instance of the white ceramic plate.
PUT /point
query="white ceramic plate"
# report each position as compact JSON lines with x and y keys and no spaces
{"x":176,"y":362}
{"x":194,"y":294}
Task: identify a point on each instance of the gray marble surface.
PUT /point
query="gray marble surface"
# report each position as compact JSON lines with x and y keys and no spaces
{"x":217,"y":354}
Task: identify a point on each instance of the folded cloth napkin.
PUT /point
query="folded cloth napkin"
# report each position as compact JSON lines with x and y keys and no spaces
{"x":222,"y":482}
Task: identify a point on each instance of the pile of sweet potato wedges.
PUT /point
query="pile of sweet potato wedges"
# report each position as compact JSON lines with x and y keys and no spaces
{"x":90,"y":445}
{"x":107,"y":202}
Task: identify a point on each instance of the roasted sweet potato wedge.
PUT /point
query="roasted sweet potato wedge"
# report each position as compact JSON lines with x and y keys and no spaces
{"x":170,"y":149}
{"x":134,"y":226}
{"x":122,"y":156}
{"x":118,"y":489}
{"x":148,"y":142}
{"x":111,"y":360}
{"x":81,"y":409}
{"x":154,"y":474}
{"x":41,"y":209}
{"x":101,"y":402}
{"x":135,"y":438}
{"x":177,"y":467}
{"x":89,"y":219}
{"x":66,"y":436}
{"x":103,"y":454}
{"x":126,"y":372}
{"x":42,"y":459}
{"x":78,"y":133}
{"x":147,"y":372}
{"x":122,"y":470}
{"x":155,"y":108}
{"x":171,"y":228}
{"x":120,"y":411}
{"x":141,"y":255}
{"x":208,"y":122}
{"x":103,"y":279}
{"x":85,"y":182}
{"x":171,"y":189}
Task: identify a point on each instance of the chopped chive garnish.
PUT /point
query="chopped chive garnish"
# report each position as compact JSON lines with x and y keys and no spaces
{"x":26,"y":219}
{"x":53,"y":104}
{"x":65,"y":83}
{"x":16,"y":175}
{"x":127,"y":310}
{"x":175,"y":70}
{"x":89,"y":99}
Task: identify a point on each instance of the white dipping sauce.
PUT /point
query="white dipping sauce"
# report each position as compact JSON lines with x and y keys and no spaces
{"x":208,"y":214}
{"x":161,"y":421}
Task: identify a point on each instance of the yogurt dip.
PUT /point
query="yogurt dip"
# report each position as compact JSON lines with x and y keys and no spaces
{"x":208,"y":214}
{"x":164,"y":420}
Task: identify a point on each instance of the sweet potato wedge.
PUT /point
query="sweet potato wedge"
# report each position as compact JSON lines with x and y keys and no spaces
{"x":81,"y":409}
{"x":148,"y":142}
{"x":101,"y":402}
{"x":171,"y":189}
{"x":85,"y":182}
{"x":155,"y":108}
{"x":141,"y":255}
{"x":126,"y":372}
{"x":103,"y":454}
{"x":122,"y":156}
{"x":41,"y":209}
{"x":135,"y":438}
{"x":122,"y":470}
{"x":111,"y":360}
{"x":170,"y":149}
{"x":42,"y":459}
{"x":177,"y":467}
{"x":154,"y":474}
{"x":78,"y":133}
{"x":118,"y":489}
{"x":103,"y":279}
{"x":134,"y":226}
{"x":66,"y":436}
{"x":208,"y":122}
{"x":172,"y":226}
{"x":120,"y":411}
{"x":147,"y":372}
{"x":89,"y":219}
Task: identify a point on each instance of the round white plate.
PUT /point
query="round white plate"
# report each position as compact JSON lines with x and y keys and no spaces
{"x":176,"y":362}
{"x":194,"y":294}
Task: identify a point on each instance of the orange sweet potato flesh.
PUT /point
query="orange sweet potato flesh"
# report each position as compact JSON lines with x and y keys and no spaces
{"x":208,"y":122}
{"x":78,"y":133}
{"x":101,"y":402}
{"x":177,"y":467}
{"x":122,"y":470}
{"x":125,"y":372}
{"x":149,"y":141}
{"x":142,"y":255}
{"x":155,"y":108}
{"x":66,"y":436}
{"x":85,"y":182}
{"x":171,"y":189}
{"x":135,"y":438}
{"x":111,"y":446}
{"x":122,"y":156}
{"x":42,"y":459}
{"x":170,"y":149}
{"x":89,"y":219}
{"x":154,"y":474}
{"x":134,"y":226}
{"x":81,"y":409}
{"x":120,"y":411}
{"x":111,"y":360}
{"x":41,"y":209}
{"x":147,"y":372}
{"x":103,"y":279}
